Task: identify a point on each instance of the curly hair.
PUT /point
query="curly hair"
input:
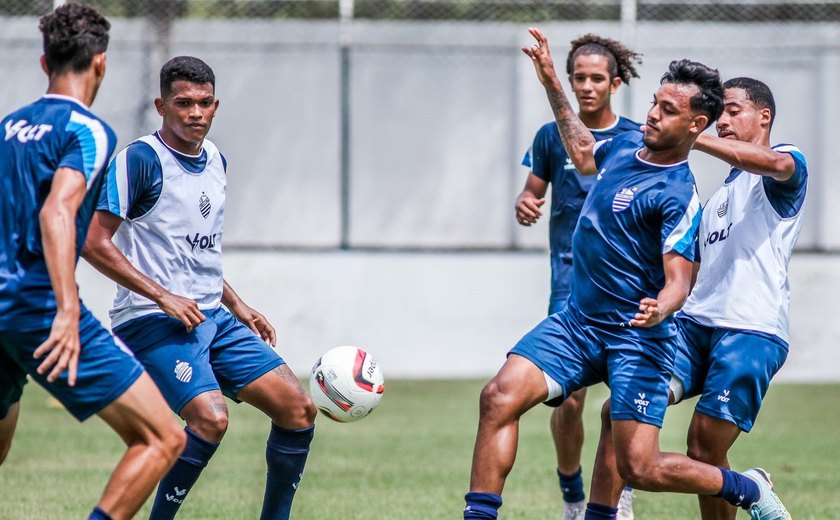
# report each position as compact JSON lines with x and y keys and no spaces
{"x":73,"y":35}
{"x":709,"y":100}
{"x":184,"y":68}
{"x":622,"y":61}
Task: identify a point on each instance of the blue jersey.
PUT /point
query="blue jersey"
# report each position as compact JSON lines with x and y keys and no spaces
{"x":548,"y":160}
{"x":635,"y":213}
{"x":54,"y":132}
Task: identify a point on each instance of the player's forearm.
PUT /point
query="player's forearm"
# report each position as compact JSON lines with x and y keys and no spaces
{"x":672,"y":297}
{"x":577,"y":139}
{"x":229,"y":296}
{"x":108,"y":260}
{"x":750,"y":157}
{"x":58,"y":229}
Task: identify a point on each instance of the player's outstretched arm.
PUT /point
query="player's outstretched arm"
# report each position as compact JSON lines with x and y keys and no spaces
{"x":750,"y":157}
{"x":245,"y":314}
{"x":58,"y":238}
{"x":678,"y":272}
{"x":101,"y":253}
{"x":577,"y":140}
{"x":529,"y":202}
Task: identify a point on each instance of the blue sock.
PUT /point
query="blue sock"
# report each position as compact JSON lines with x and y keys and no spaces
{"x":738,"y":490}
{"x":285,"y":454}
{"x":572,"y":486}
{"x":174,"y":486}
{"x":98,"y":514}
{"x":484,"y":506}
{"x":600,"y":512}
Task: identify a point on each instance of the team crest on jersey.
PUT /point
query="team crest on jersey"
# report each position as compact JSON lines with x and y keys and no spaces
{"x":623,"y":198}
{"x":723,"y":208}
{"x":204,"y":205}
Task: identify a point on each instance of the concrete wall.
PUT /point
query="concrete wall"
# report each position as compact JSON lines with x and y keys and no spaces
{"x":454,"y":315}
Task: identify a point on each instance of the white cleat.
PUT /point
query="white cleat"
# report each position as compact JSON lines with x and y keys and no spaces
{"x":769,"y":506}
{"x":574,"y":510}
{"x":625,"y":505}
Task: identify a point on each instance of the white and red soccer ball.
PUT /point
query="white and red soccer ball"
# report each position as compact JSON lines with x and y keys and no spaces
{"x":346,"y":384}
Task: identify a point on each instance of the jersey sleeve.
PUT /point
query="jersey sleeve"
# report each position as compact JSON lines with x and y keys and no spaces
{"x":787,"y":196}
{"x":600,"y":150}
{"x":539,"y":155}
{"x":88,"y":148}
{"x":133,"y":182}
{"x":680,"y":208}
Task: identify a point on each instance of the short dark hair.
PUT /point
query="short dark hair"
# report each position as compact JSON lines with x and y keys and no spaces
{"x":73,"y":35}
{"x":184,"y":68}
{"x":620,"y":59}
{"x":757,"y":92}
{"x":709,"y":100}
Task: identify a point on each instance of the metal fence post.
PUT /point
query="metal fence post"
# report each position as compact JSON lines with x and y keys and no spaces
{"x":345,"y":41}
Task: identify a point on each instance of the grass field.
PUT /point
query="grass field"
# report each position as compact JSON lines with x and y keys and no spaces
{"x":410,"y":460}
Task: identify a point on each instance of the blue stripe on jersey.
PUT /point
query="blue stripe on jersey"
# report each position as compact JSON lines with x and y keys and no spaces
{"x":93,"y":142}
{"x":787,"y":197}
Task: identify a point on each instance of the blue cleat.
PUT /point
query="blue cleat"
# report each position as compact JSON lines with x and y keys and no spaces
{"x":769,"y":506}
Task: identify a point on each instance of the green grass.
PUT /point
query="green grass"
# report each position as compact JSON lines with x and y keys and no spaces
{"x":411,"y":459}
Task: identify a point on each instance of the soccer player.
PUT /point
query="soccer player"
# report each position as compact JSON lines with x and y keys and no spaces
{"x":52,"y":158}
{"x":596,"y":67}
{"x":733,"y":329}
{"x":633,"y":249}
{"x":163,"y":206}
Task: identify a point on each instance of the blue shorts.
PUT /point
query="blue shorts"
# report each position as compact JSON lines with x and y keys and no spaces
{"x":729,"y":369}
{"x":578,"y":354}
{"x":220,"y":354}
{"x":105,"y":370}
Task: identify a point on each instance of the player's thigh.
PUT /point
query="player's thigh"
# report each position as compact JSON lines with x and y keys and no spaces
{"x":639,"y":376}
{"x":7,"y":429}
{"x":178,"y":361}
{"x":279,"y":394}
{"x":568,"y":354}
{"x":741,"y":367}
{"x":141,"y":415}
{"x":105,"y":369}
{"x":239,"y":357}
{"x":691,"y":359}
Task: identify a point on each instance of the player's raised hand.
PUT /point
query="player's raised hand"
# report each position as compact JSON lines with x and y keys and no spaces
{"x":541,"y":57}
{"x":63,"y":347}
{"x":648,"y":314}
{"x":528,"y":208}
{"x":180,"y":308}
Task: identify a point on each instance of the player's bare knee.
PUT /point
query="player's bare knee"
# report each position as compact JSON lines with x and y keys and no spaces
{"x":174,"y":442}
{"x":301,"y":415}
{"x":497,"y":404}
{"x":210,"y":424}
{"x":638,"y":472}
{"x":572,"y":408}
{"x":708,"y":454}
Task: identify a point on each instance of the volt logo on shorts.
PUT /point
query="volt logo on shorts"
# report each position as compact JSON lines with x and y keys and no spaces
{"x":183,"y":371}
{"x":724,"y":398}
{"x":641,"y":403}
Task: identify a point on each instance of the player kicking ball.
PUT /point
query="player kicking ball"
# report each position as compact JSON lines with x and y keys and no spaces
{"x":596,"y":67}
{"x":733,"y":328}
{"x":633,"y":255}
{"x":52,"y":160}
{"x":157,"y":232}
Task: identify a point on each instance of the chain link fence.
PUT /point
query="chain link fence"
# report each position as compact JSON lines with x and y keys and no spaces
{"x":392,"y":124}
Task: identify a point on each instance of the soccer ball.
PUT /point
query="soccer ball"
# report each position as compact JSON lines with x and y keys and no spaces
{"x":346,"y":384}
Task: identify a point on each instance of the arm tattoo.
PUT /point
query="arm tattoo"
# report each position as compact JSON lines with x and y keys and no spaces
{"x":572,"y":131}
